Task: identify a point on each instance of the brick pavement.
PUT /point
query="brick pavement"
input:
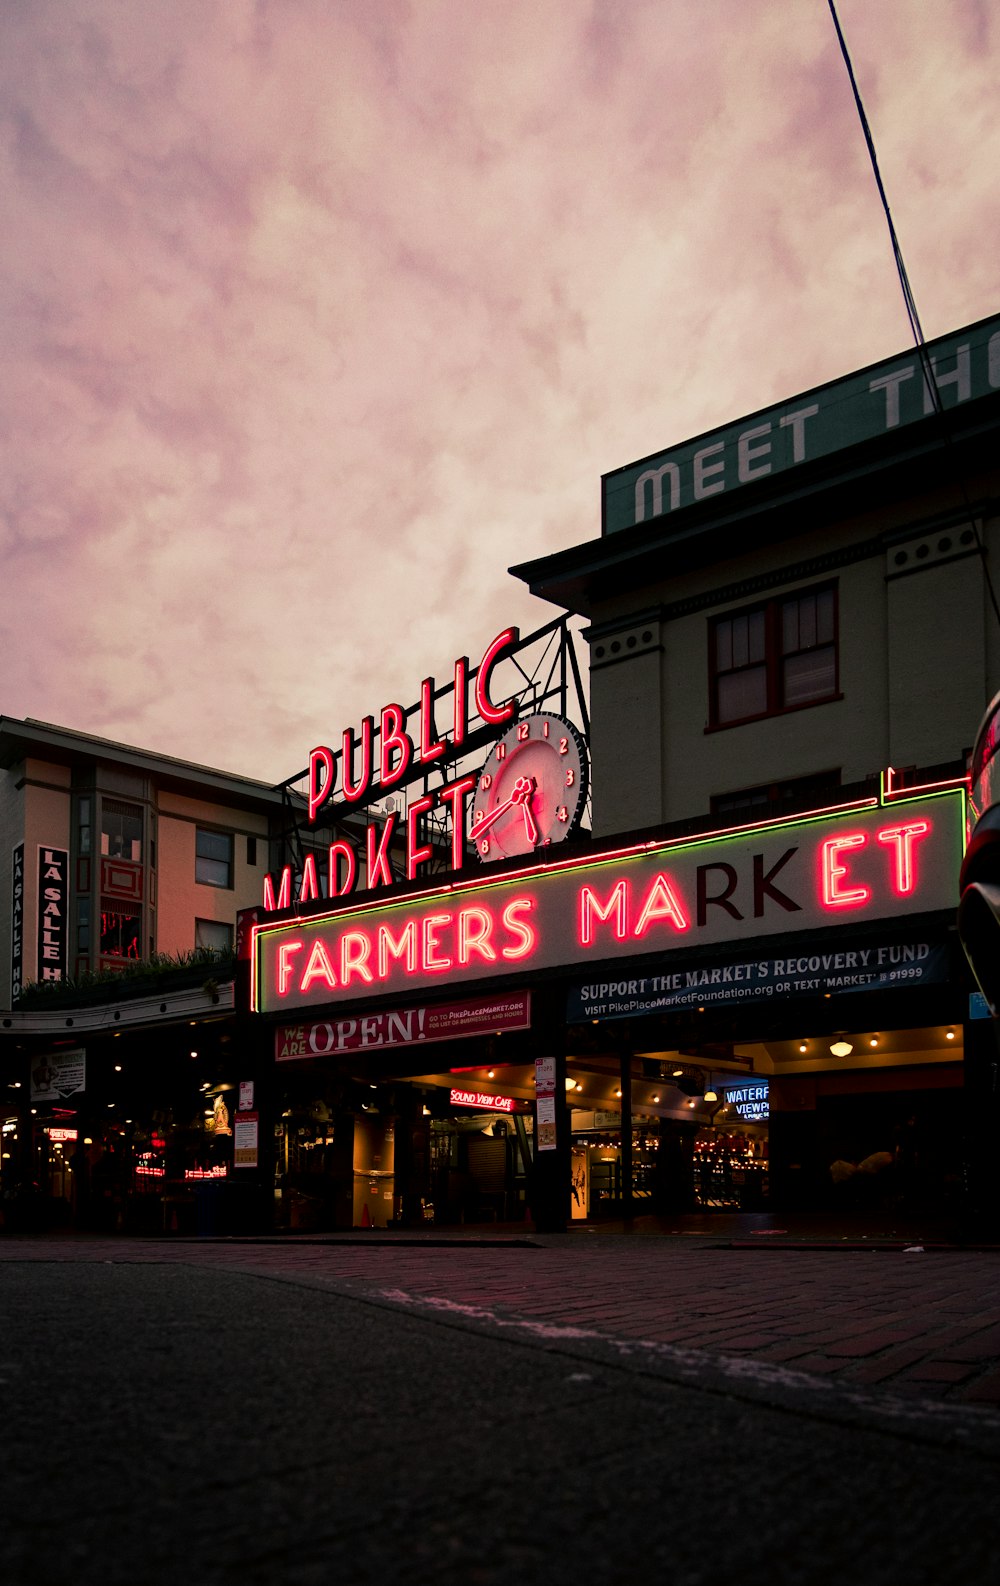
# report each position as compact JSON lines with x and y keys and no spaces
{"x":921,"y":1325}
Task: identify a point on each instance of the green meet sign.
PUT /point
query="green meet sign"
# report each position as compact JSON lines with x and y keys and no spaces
{"x":868,"y":403}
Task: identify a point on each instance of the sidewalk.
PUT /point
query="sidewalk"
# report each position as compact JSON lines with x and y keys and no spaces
{"x":915,"y":1322}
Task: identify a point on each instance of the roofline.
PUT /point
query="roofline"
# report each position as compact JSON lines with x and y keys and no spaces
{"x":25,"y":737}
{"x":567,"y":577}
{"x":910,"y":351}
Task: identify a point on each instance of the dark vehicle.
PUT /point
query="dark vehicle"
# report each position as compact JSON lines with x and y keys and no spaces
{"x":979,"y":907}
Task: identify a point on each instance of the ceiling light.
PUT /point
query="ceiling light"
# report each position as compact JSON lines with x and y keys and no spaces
{"x":618,"y":1093}
{"x":949,"y":1035}
{"x":691,"y":1102}
{"x":711,"y":1095}
{"x":192,"y":1054}
{"x":803,"y":1046}
{"x":841,"y":1048}
{"x":656,"y":1098}
{"x":491,"y":1073}
{"x":677,"y":1073}
{"x":873,"y":1040}
{"x":570,"y":1083}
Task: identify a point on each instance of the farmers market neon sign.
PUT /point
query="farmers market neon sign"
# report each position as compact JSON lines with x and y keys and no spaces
{"x":876,"y":859}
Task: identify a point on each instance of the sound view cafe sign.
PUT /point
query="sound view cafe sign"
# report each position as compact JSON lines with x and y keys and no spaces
{"x":874,"y":860}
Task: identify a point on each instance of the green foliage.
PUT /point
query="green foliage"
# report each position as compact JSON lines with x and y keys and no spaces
{"x":137,"y":977}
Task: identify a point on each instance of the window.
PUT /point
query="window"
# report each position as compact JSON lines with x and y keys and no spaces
{"x":251,"y":851}
{"x":776,"y":798}
{"x":774,"y":657}
{"x":120,"y":927}
{"x":121,"y":830}
{"x":213,"y":934}
{"x":83,"y":825}
{"x":213,"y":865}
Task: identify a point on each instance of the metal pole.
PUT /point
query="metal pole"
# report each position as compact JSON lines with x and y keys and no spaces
{"x":625,"y":1069}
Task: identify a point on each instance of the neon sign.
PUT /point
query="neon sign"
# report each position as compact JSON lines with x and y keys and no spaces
{"x":750,"y":1101}
{"x":879,"y":861}
{"x":397,"y":748}
{"x":483,"y":1100}
{"x":365,"y":775}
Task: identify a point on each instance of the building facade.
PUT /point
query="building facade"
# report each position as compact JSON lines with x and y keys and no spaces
{"x":147,"y":854}
{"x":779,"y":613}
{"x":124,"y":871}
{"x":696,"y":952}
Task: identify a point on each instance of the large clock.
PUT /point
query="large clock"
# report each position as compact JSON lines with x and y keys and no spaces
{"x":532,"y":789}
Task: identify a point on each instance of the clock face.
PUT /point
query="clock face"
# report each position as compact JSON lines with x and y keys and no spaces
{"x":532,"y":790}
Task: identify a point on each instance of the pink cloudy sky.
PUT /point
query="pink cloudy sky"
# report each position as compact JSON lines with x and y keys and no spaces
{"x":319,"y":314}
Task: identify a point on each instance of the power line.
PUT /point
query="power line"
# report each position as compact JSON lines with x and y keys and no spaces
{"x":930,"y":383}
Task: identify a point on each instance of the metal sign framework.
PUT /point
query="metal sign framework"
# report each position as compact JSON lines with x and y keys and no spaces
{"x":538,"y":672}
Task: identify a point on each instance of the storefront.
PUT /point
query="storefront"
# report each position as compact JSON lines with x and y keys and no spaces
{"x":595,"y":1032}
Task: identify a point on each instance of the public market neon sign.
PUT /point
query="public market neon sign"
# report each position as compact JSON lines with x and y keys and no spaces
{"x":365,"y":775}
{"x":874,"y":860}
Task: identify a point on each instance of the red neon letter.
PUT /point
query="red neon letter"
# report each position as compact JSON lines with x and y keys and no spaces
{"x":430,"y":746}
{"x":310,"y":880}
{"x":494,"y":714}
{"x":284,"y":898}
{"x":393,"y":738}
{"x":355,"y":950}
{"x":902,"y":839}
{"x":416,"y":855}
{"x":834,"y":895}
{"x":661,"y":904}
{"x":379,"y":870}
{"x":431,"y":924}
{"x":319,"y":967}
{"x":319,"y":791}
{"x":390,"y":946}
{"x":460,"y":700}
{"x":341,"y":849}
{"x":353,"y":791}
{"x":590,"y":907}
{"x":456,"y":794}
{"x":285,"y":969}
{"x":474,"y":929}
{"x":526,"y":944}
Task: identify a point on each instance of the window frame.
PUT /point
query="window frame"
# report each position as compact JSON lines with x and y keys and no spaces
{"x":208,"y":831}
{"x":774,"y":656}
{"x":220,"y":925}
{"x":784,"y":797}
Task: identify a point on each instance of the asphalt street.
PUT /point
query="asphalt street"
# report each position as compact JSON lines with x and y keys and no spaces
{"x":167,"y":1421}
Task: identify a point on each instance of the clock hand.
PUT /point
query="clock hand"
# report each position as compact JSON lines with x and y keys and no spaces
{"x":522,"y":791}
{"x":530,"y":827}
